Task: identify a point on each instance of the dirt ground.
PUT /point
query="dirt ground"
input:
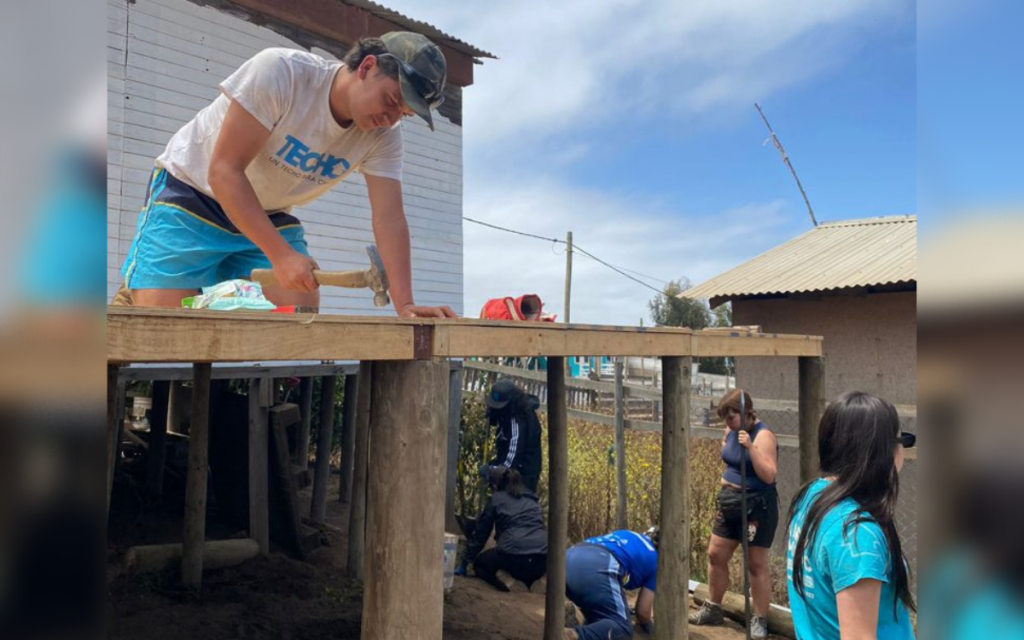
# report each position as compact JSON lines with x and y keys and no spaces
{"x":278,"y":598}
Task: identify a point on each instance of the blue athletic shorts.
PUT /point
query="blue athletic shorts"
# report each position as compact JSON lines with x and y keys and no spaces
{"x":184,"y":240}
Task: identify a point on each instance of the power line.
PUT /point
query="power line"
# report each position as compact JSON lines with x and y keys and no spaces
{"x":620,"y":270}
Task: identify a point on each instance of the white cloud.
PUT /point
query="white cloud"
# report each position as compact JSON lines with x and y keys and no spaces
{"x":569,"y":68}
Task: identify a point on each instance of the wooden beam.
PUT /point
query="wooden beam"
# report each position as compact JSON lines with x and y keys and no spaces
{"x":403,"y":595}
{"x":357,"y":508}
{"x":558,"y":500}
{"x":235,"y":372}
{"x":674,"y":549}
{"x":156,"y":455}
{"x":451,"y":525}
{"x":195,"y":481}
{"x":216,"y":554}
{"x":325,"y":435}
{"x":716,"y":344}
{"x":348,"y":438}
{"x":166,"y":335}
{"x":113,"y":429}
{"x":183,"y":335}
{"x":306,"y":409}
{"x":259,"y":461}
{"x":812,"y":407}
{"x":621,"y":518}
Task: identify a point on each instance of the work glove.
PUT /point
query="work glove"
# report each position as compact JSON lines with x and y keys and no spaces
{"x":461,"y":569}
{"x":485,"y":471}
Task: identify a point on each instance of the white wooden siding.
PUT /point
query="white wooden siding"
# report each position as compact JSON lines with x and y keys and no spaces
{"x":165,"y":60}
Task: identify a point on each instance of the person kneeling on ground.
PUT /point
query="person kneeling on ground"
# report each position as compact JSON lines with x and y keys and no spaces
{"x":522,"y":542}
{"x":599,"y":571}
{"x":761,"y":460}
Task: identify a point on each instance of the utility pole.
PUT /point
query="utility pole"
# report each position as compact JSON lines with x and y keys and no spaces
{"x":785,"y":159}
{"x":568,"y":273}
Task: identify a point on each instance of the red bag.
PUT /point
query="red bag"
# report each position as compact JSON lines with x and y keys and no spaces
{"x":526,"y":307}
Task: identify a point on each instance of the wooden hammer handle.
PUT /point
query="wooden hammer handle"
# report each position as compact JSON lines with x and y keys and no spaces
{"x":350,"y":279}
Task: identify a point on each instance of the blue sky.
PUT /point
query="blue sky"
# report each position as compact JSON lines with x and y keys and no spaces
{"x":631,"y":122}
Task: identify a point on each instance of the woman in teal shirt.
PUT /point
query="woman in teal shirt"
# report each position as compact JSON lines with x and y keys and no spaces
{"x":848,"y":578}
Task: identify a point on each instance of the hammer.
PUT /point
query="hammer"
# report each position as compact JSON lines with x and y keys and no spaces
{"x":375,"y":278}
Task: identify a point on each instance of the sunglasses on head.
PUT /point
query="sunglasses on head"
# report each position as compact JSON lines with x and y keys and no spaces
{"x":423,"y":86}
{"x":907,"y":439}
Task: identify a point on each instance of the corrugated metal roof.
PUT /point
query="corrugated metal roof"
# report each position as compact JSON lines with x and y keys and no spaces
{"x":834,"y":255}
{"x":429,"y":30}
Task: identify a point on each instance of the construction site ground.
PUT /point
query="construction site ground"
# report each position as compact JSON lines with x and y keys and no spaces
{"x":279,"y":598}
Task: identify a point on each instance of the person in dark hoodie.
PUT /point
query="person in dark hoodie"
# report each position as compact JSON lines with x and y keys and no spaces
{"x":513,"y":413}
{"x":521,"y":548}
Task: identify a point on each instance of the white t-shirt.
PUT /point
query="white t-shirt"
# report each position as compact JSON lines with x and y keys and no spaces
{"x":307,"y":153}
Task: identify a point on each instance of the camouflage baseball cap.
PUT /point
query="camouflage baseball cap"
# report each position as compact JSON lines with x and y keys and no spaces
{"x":421,"y":71}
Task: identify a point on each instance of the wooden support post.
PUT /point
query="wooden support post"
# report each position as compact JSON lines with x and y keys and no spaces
{"x":348,"y":437}
{"x":157,"y":452}
{"x":195,"y":481}
{"x":812,"y":407}
{"x":454,"y":423}
{"x":113,"y":428}
{"x":318,"y":509}
{"x":621,"y":514}
{"x":174,"y":399}
{"x":119,"y":408}
{"x":558,"y":500}
{"x":403,"y":595}
{"x":674,"y":550}
{"x":357,"y":508}
{"x":259,"y":422}
{"x":306,"y":407}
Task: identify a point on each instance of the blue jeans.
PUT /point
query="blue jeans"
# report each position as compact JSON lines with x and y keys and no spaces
{"x":593,"y":582}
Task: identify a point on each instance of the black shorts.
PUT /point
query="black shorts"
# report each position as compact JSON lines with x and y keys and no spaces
{"x":762,"y":515}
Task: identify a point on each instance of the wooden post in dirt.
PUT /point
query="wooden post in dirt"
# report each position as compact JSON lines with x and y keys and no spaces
{"x":348,"y":437}
{"x":357,"y":508}
{"x":558,"y":500}
{"x":259,"y":460}
{"x":812,"y":407}
{"x":451,"y":525}
{"x":157,"y":452}
{"x":322,"y":473}
{"x":306,"y":409}
{"x":113,"y":428}
{"x":403,"y":594}
{"x":621,"y":514}
{"x":674,"y":549}
{"x":195,"y":481}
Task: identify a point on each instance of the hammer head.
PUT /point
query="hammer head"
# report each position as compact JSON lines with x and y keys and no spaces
{"x":377,"y":278}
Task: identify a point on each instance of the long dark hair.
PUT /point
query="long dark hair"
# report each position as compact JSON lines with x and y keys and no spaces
{"x":857,"y":444}
{"x":506,"y":479}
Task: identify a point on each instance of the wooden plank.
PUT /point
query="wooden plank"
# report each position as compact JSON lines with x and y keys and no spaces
{"x":112,"y":428}
{"x":674,"y":549}
{"x":325,"y":435}
{"x":714,"y":344}
{"x":558,"y":500}
{"x":235,"y":372}
{"x":195,"y":481}
{"x":357,"y":510}
{"x":403,"y":583}
{"x":157,"y":453}
{"x":259,"y":506}
{"x":306,"y":410}
{"x":348,"y":438}
{"x":149,"y":335}
{"x":182,"y":335}
{"x":451,"y":525}
{"x":621,"y":519}
{"x":812,"y":406}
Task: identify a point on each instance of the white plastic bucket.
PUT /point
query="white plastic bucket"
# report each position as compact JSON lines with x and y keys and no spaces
{"x":451,"y":552}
